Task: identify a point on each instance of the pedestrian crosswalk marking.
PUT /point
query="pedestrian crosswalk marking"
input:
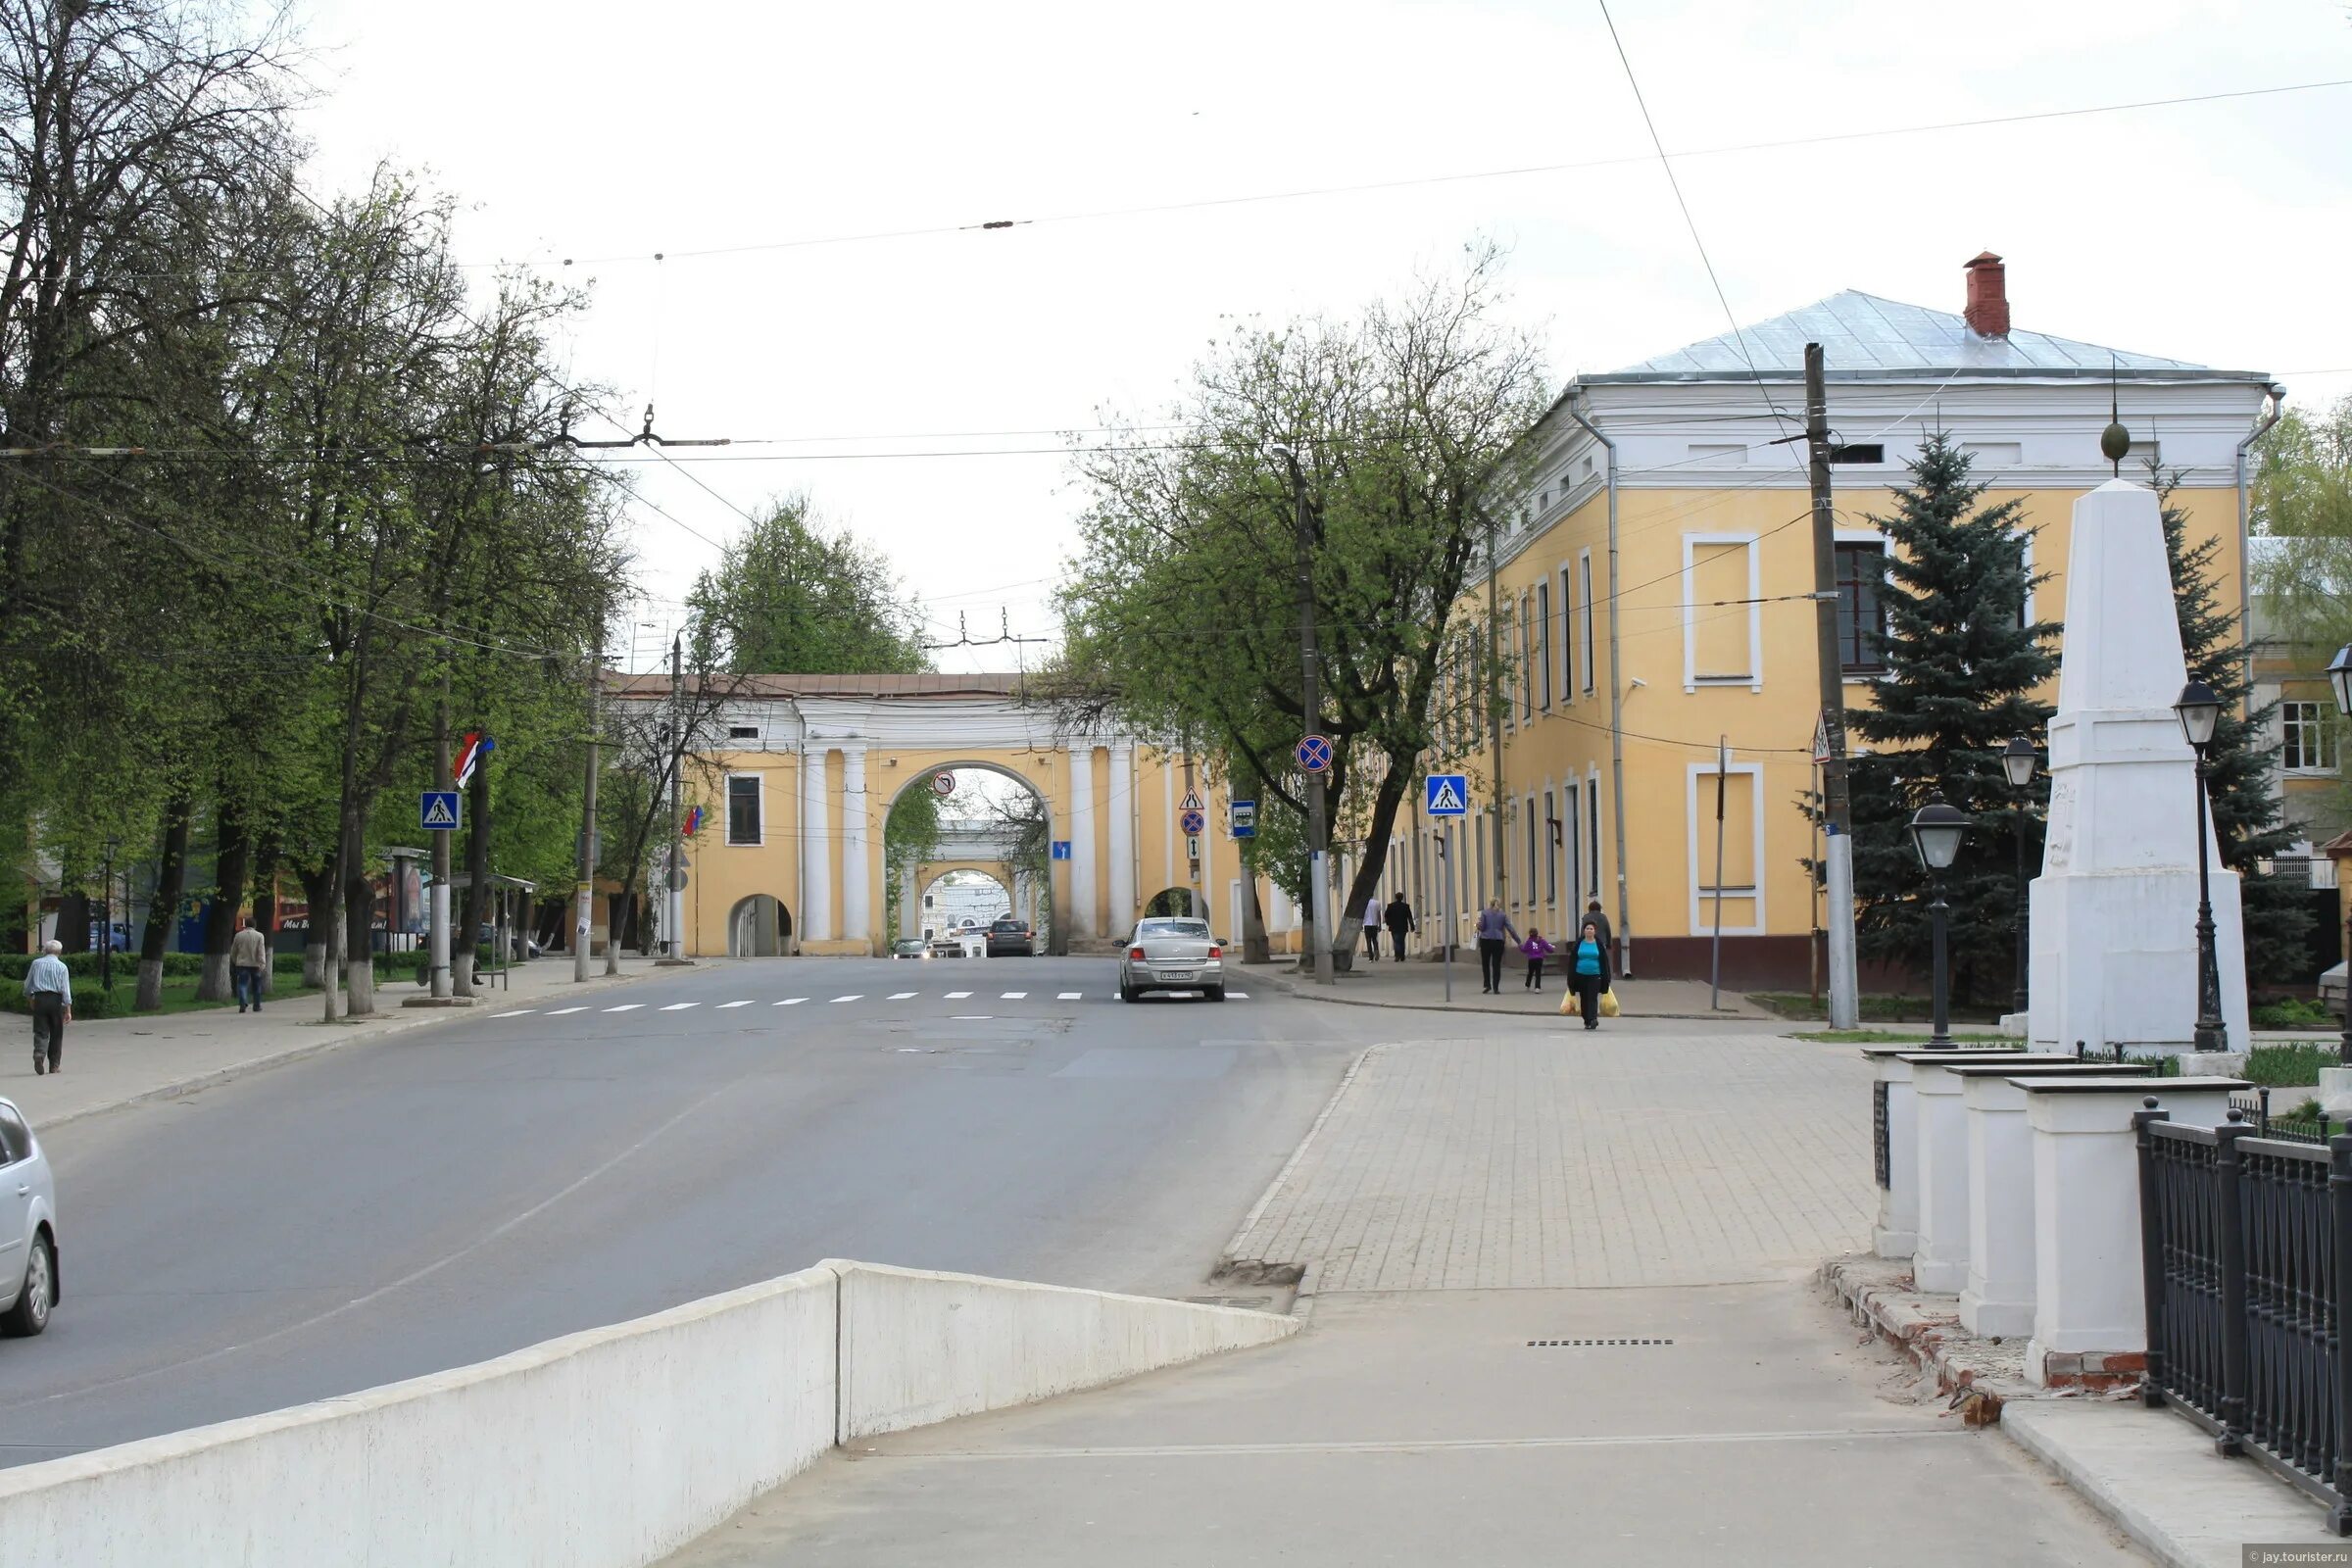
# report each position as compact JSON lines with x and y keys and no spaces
{"x":1012,"y":996}
{"x":854,"y":996}
{"x":681,"y":1006}
{"x":561,"y":1011}
{"x":792,"y":1002}
{"x":1067,"y":996}
{"x":745,"y":1002}
{"x":518,"y":1012}
{"x":901,"y":995}
{"x":627,"y":1006}
{"x":957,"y":996}
{"x":1239,"y":996}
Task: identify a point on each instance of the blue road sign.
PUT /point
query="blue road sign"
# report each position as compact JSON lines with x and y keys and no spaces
{"x":1061,"y":848}
{"x":1313,"y":753}
{"x":439,"y":810}
{"x":1241,"y":819}
{"x":1446,"y":795}
{"x":1193,"y":822}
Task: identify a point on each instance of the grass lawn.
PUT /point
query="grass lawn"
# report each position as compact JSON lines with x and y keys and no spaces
{"x":1875,"y":1008}
{"x":180,"y":996}
{"x":1896,"y":1037}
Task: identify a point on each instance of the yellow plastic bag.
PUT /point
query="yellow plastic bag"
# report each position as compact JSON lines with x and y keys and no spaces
{"x":1568,"y":1002}
{"x":1608,"y":1004}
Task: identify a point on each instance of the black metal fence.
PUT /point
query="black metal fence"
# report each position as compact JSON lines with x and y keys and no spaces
{"x":2161,"y":1063}
{"x":2246,"y":1249}
{"x":2315,"y":1129}
{"x":1881,"y":1150}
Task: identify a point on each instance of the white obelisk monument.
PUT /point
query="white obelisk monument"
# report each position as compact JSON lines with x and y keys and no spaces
{"x":2115,"y":910}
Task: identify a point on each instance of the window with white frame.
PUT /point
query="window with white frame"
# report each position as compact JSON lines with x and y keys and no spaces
{"x":2308,"y":743}
{"x":1567,"y":635}
{"x":743,"y":808}
{"x":1861,"y":615}
{"x":1583,"y":615}
{"x":1551,"y":851}
{"x":1544,"y":636}
{"x":1533,"y":828}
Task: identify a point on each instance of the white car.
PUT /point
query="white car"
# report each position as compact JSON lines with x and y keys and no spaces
{"x":1173,"y":954}
{"x":28,"y":1228}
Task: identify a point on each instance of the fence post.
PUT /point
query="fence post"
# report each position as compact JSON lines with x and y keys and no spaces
{"x":2340,"y":1351}
{"x":2229,"y":1221}
{"x":2151,"y":1250}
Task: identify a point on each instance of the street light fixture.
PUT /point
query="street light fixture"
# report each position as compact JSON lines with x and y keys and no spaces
{"x":2018,"y":761}
{"x":2200,"y":713}
{"x":1936,"y":833}
{"x":2339,"y":676}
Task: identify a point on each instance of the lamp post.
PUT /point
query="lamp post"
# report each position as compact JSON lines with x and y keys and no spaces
{"x":2339,"y":676}
{"x":2200,"y":711}
{"x":1935,"y":832}
{"x":2017,"y":760}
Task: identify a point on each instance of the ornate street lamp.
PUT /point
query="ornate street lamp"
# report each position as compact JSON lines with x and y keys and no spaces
{"x":2018,"y":761}
{"x":2200,"y":711}
{"x":2339,"y":676}
{"x":1935,"y":832}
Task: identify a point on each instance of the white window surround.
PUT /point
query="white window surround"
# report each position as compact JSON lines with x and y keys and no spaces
{"x":1564,"y":584}
{"x":1583,"y":615}
{"x":727,"y":806}
{"x":1754,"y":680}
{"x":1701,"y":871}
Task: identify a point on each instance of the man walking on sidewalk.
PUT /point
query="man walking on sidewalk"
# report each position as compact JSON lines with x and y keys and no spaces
{"x":1494,"y":929}
{"x":50,"y":990}
{"x":1400,"y":916}
{"x":248,"y":956}
{"x":1372,"y":914}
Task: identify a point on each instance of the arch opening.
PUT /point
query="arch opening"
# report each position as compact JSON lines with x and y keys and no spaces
{"x":759,"y":926}
{"x":995,"y":821}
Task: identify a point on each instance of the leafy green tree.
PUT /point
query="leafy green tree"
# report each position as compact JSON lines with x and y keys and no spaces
{"x":1182,"y":613}
{"x":1962,"y":669}
{"x":787,"y":598}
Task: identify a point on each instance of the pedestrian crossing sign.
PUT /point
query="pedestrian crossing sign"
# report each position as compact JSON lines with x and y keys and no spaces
{"x":1446,"y":795}
{"x":437,"y":810}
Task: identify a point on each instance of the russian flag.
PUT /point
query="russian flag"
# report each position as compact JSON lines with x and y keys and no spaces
{"x":478,"y":746}
{"x":694,"y":819}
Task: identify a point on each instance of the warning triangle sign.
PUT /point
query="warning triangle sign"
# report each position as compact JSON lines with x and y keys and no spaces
{"x":437,"y":813}
{"x":1192,"y":802}
{"x":1444,"y":798}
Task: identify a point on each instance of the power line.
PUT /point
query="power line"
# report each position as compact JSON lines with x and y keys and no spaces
{"x":1313,"y":192}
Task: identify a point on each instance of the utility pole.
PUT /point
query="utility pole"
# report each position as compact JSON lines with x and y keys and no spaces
{"x":1310,"y":706}
{"x":674,"y":906}
{"x":1200,"y":907}
{"x":585,"y":920}
{"x":1494,"y":711}
{"x":437,"y":916}
{"x":1836,"y":806}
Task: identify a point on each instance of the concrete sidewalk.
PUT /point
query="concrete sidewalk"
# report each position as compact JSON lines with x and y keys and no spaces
{"x":110,"y":1062}
{"x":1419,"y":983}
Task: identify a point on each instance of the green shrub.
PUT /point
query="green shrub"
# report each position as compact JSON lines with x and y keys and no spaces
{"x":2292,"y":1012}
{"x":2288,"y":1067}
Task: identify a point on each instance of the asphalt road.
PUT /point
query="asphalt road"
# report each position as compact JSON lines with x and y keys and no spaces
{"x":448,"y":1194}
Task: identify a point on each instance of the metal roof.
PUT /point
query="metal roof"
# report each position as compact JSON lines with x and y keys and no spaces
{"x":1864,"y":336}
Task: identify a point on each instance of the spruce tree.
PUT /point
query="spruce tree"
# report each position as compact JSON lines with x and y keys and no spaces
{"x":2240,"y":782}
{"x":1963,"y":667}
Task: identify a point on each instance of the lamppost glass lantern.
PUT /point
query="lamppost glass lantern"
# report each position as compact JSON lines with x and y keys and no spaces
{"x":2339,"y":676}
{"x":2017,"y":760}
{"x":1935,"y":832}
{"x":2200,"y":710}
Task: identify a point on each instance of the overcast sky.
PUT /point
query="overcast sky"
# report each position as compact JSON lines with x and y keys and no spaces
{"x":606,"y":133}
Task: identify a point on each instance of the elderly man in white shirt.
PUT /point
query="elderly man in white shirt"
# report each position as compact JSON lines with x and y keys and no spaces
{"x":50,"y":990}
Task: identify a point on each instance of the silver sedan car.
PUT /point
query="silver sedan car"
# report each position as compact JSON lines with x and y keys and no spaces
{"x":28,"y":1228}
{"x":1173,"y":954}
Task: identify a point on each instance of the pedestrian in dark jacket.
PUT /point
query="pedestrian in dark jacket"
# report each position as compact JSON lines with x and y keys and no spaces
{"x":1400,"y":916}
{"x":1588,"y":971}
{"x":1495,"y":928}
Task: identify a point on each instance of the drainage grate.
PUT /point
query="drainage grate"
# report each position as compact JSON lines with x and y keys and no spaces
{"x":1591,"y":1343}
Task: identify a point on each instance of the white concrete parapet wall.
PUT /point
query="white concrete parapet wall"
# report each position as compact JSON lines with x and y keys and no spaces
{"x":918,"y":1347}
{"x":609,"y":1449}
{"x":616,"y":1445}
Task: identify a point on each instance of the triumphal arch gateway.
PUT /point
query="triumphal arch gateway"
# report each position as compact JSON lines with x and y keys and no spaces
{"x":797,"y":775}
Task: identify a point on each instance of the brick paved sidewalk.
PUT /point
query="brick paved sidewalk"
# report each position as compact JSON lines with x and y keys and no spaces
{"x":119,"y":1062}
{"x":1608,"y":1160}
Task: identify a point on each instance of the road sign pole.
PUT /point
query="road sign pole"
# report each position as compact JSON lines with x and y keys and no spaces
{"x":1446,"y":934}
{"x":437,"y":918}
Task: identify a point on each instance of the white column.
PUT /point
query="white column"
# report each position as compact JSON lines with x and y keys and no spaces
{"x":1897,"y":1234}
{"x":856,"y":871}
{"x":817,"y":847}
{"x":1121,"y":805}
{"x":2088,"y":1294}
{"x":1939,"y":1264}
{"x":1081,"y":827}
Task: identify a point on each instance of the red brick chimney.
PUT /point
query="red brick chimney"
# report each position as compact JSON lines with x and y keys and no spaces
{"x":1988,"y":313}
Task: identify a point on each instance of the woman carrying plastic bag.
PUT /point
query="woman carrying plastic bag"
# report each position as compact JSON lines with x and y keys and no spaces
{"x":1588,"y":978}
